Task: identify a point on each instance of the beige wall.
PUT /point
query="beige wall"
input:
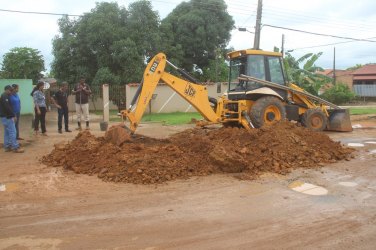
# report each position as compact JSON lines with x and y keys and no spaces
{"x":167,"y":100}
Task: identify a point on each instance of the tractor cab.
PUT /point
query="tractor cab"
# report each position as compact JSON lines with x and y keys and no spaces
{"x":260,"y":64}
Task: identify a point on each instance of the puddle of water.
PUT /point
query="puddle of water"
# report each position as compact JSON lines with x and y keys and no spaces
{"x":373,"y":151}
{"x":370,"y":142}
{"x":308,"y":188}
{"x":356,"y":126}
{"x":355,"y":144}
{"x":348,"y":184}
{"x":2,"y":187}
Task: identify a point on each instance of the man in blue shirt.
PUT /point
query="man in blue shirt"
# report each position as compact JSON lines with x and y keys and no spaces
{"x":8,"y":120}
{"x":16,"y":106}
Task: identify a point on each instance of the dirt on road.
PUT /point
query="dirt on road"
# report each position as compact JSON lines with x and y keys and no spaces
{"x":196,"y":152}
{"x":43,"y":207}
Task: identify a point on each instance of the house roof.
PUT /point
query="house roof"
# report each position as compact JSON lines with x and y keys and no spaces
{"x":369,"y":69}
{"x":364,"y":77}
{"x":339,"y":72}
{"x":326,"y":72}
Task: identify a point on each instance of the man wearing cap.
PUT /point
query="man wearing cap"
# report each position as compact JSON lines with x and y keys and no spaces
{"x":8,"y":119}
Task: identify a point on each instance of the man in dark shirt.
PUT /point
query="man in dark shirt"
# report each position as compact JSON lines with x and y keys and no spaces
{"x":82,"y":92}
{"x":60,"y":99}
{"x":8,"y":119}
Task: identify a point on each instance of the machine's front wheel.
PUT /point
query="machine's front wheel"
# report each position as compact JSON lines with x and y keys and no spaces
{"x":266,"y":111}
{"x":314,"y":119}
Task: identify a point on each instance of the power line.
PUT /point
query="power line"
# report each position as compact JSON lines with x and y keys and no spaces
{"x":323,"y":45}
{"x":313,"y":16}
{"x":208,"y":6}
{"x":321,"y":22}
{"x":319,"y":34}
{"x":211,"y":6}
{"x":39,"y":13}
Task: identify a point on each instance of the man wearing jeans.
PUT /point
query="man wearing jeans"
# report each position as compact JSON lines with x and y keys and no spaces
{"x":8,"y":120}
{"x":16,"y":107}
{"x":60,"y":99}
{"x":82,"y":92}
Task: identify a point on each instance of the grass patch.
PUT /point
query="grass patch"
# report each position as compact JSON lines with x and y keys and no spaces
{"x":100,"y":112}
{"x":362,"y":111}
{"x":175,"y":118}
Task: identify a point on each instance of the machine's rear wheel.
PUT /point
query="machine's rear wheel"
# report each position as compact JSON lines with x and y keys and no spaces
{"x":266,"y":111}
{"x":314,"y":119}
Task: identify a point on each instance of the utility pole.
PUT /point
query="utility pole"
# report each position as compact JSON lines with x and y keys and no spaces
{"x":283,"y":45}
{"x":334,"y":67}
{"x":256,"y":44}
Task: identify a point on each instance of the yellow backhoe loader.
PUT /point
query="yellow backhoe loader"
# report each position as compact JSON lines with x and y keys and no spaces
{"x":258,"y":94}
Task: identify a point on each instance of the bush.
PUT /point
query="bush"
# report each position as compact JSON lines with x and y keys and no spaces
{"x":338,"y":94}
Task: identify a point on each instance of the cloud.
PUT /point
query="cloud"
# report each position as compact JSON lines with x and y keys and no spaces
{"x":357,"y":19}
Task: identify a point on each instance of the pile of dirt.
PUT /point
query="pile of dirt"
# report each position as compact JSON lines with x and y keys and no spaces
{"x":195,"y":152}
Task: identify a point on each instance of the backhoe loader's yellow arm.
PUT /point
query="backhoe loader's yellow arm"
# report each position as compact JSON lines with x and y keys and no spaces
{"x":195,"y":94}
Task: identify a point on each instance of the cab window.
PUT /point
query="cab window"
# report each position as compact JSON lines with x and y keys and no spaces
{"x":237,"y":67}
{"x":256,"y":66}
{"x":275,"y":68}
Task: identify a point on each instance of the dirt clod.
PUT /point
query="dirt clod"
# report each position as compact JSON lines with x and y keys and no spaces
{"x":117,"y":135}
{"x":195,"y":152}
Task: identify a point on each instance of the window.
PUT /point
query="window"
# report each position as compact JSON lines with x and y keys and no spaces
{"x":275,"y":68}
{"x":237,"y":67}
{"x":256,"y":66}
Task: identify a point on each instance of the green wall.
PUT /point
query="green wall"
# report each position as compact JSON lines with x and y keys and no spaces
{"x":26,"y":86}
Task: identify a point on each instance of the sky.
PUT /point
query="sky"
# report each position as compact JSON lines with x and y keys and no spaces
{"x":355,"y":19}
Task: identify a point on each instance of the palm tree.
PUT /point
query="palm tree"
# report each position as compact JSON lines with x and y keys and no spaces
{"x":307,"y":77}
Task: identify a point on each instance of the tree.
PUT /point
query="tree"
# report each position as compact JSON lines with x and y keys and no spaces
{"x":356,"y":66}
{"x":194,"y":31}
{"x":65,"y":51}
{"x":217,"y":70}
{"x":338,"y":94}
{"x":23,"y":63}
{"x":109,"y":37}
{"x":143,"y":28}
{"x":306,"y":77}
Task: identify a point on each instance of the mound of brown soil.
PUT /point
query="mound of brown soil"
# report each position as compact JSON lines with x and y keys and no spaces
{"x":195,"y":152}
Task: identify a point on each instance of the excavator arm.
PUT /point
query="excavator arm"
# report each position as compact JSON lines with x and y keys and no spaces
{"x":195,"y":94}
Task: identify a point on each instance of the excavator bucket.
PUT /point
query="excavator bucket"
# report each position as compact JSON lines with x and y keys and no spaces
{"x":339,"y":120}
{"x":117,"y":135}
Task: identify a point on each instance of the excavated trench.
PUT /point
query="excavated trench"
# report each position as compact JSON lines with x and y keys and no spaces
{"x":196,"y":152}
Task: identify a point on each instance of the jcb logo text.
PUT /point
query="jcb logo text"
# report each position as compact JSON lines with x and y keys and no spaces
{"x":189,"y":90}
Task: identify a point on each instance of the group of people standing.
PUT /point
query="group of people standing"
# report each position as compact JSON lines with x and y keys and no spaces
{"x":82,"y":92}
{"x":10,"y":110}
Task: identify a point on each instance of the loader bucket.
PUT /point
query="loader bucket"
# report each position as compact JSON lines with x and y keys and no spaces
{"x":339,"y":120}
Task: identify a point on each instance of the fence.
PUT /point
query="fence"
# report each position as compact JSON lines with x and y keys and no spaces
{"x":368,"y":90}
{"x":117,"y":97}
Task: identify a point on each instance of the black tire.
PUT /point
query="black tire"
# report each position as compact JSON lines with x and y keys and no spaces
{"x":213,"y":103}
{"x":267,"y":110}
{"x":314,"y":119}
